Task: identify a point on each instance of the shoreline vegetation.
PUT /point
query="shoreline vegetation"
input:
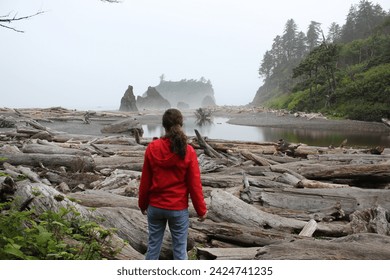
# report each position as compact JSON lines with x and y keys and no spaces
{"x":271,"y":200}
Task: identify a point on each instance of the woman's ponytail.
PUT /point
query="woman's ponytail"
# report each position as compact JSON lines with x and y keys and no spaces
{"x":173,"y":122}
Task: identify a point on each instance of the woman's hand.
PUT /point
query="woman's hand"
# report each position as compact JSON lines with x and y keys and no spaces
{"x":202,"y":218}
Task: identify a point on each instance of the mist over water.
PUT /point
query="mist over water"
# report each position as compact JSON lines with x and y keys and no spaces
{"x":220,"y":129}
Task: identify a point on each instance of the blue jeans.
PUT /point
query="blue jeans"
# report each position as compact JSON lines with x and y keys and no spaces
{"x":178,"y":221}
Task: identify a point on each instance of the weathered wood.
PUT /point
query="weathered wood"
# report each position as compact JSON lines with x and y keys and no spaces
{"x":52,"y":149}
{"x":117,"y":180}
{"x":232,"y":209}
{"x":116,"y":139}
{"x":350,"y":199}
{"x":68,"y":137}
{"x":329,"y":214}
{"x":121,"y":126}
{"x":125,"y":150}
{"x":100,"y":151}
{"x":257,"y":159}
{"x":351,"y":158}
{"x":206,"y":147}
{"x":119,"y":162}
{"x":98,"y":198}
{"x":34,"y":177}
{"x":227,"y":253}
{"x":288,"y":179}
{"x":7,"y":122}
{"x":367,"y":171}
{"x":365,"y":246}
{"x":74,"y":163}
{"x":371,"y":220}
{"x":309,"y":228}
{"x":238,"y":146}
{"x":221,"y":181}
{"x":238,"y":234}
{"x":311,"y":184}
{"x":208,"y":164}
{"x":73,"y":180}
{"x":264,"y":182}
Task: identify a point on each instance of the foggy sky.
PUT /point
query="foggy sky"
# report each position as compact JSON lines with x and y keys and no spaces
{"x":84,"y":54}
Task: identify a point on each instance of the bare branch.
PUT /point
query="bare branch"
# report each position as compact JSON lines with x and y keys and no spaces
{"x":9,"y":20}
{"x":14,"y":29}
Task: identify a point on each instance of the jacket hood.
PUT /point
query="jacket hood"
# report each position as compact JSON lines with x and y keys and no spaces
{"x":160,"y":150}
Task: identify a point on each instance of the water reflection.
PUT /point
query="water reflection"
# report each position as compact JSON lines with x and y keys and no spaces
{"x":219,"y":129}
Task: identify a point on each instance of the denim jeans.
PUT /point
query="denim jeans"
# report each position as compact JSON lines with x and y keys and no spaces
{"x":178,"y":221}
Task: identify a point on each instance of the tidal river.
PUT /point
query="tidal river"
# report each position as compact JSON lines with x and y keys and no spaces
{"x":219,"y":128}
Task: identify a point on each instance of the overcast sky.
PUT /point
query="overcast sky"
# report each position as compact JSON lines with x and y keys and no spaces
{"x":84,"y":54}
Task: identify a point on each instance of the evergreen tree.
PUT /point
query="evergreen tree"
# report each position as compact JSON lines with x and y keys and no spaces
{"x":334,"y":33}
{"x":313,"y":35}
{"x":289,"y":39}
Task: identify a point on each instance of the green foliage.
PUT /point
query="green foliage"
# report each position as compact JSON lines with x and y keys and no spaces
{"x":360,"y":110}
{"x":280,"y":102}
{"x":299,"y":101}
{"x":365,"y":95}
{"x":61,"y":235}
{"x":347,"y":77}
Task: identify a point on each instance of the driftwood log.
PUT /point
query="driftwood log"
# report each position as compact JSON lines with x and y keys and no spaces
{"x":230,"y":208}
{"x":121,"y":126}
{"x":71,"y":162}
{"x":364,"y":246}
{"x":349,"y":199}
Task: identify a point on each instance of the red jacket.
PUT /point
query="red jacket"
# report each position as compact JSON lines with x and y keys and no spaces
{"x":167,"y":180}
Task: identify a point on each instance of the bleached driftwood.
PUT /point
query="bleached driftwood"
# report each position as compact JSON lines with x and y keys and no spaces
{"x":240,"y":235}
{"x":52,"y":149}
{"x":364,"y":246}
{"x":72,"y":162}
{"x":350,"y":199}
{"x":227,"y":253}
{"x":231,"y":209}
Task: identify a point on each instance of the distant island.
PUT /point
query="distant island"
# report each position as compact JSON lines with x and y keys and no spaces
{"x":183,"y":94}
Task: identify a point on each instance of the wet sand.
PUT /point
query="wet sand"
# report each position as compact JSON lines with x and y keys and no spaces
{"x":268,"y":119}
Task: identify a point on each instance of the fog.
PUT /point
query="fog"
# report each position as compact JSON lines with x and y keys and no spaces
{"x":84,"y":54}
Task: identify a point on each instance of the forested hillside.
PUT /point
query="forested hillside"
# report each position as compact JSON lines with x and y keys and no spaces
{"x":343,"y":73}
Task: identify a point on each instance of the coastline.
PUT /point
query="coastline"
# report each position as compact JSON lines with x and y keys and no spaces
{"x":71,"y":121}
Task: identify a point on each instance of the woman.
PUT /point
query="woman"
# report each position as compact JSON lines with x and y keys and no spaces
{"x":169,"y":175}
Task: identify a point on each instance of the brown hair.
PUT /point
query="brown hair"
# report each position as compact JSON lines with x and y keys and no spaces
{"x":172,"y":121}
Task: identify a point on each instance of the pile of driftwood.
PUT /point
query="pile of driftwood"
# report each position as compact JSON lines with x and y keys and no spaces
{"x":265,"y":200}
